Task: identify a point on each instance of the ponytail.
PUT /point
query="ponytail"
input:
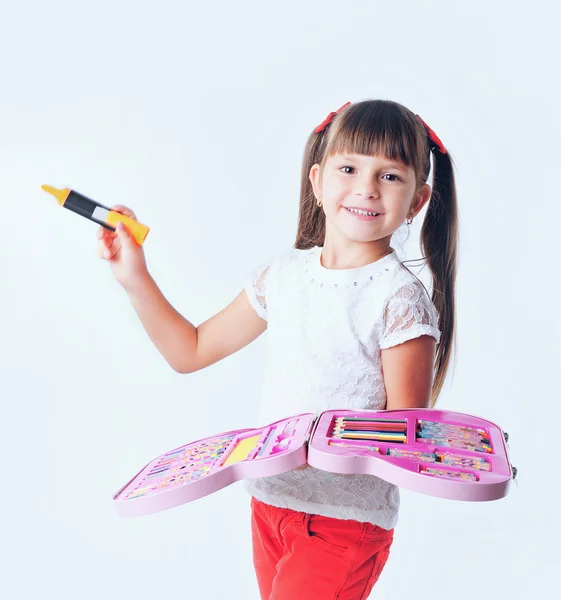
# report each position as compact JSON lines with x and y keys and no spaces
{"x":439,"y":243}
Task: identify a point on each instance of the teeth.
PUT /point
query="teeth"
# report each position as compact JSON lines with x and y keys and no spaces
{"x":363,"y":212}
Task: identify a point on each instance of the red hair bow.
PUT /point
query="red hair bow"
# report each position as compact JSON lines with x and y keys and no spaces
{"x":329,"y":118}
{"x":433,"y":137}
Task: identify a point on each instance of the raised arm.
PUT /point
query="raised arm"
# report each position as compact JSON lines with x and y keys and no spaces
{"x":185,"y":347}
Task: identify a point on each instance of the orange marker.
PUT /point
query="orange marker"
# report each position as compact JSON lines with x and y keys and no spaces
{"x":97,"y":212}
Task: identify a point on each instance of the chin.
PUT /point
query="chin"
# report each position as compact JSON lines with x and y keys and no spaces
{"x":363,"y":237}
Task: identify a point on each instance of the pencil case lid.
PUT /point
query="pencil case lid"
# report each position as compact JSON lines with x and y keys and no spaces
{"x":205,"y":466}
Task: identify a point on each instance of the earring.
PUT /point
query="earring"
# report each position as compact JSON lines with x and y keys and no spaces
{"x":409,"y":220}
{"x":319,"y":201}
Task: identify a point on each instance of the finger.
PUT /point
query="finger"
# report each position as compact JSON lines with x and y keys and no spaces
{"x":103,"y":251}
{"x":104,"y":233}
{"x":111,"y":253}
{"x":124,"y":235}
{"x":103,"y":248}
{"x":124,"y":210}
{"x":113,"y":247}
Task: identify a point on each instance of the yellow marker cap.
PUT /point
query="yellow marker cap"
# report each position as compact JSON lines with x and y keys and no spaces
{"x":60,"y":195}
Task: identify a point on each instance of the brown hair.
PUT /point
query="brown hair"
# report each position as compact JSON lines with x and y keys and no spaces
{"x":383,"y":127}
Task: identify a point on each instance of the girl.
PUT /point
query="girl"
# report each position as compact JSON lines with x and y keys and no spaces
{"x":348,"y":326}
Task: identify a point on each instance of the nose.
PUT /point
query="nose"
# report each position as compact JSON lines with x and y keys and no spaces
{"x":366,"y":187}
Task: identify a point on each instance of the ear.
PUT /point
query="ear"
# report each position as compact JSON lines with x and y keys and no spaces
{"x":421,"y":198}
{"x":315,"y":180}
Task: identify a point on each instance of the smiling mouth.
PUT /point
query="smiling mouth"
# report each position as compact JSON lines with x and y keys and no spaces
{"x":365,"y":213}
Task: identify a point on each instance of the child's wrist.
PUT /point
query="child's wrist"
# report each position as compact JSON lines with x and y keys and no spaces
{"x":139,"y":284}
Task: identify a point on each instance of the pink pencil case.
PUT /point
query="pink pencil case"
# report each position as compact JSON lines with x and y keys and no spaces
{"x":439,"y":453}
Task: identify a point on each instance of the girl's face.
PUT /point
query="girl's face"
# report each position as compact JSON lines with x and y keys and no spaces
{"x":373,"y":184}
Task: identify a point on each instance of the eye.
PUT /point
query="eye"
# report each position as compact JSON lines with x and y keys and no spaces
{"x":395,"y":177}
{"x":392,"y":175}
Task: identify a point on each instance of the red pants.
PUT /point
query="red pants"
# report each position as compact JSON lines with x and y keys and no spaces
{"x":298,"y":555}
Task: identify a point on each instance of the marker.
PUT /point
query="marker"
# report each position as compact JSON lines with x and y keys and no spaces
{"x":96,"y":212}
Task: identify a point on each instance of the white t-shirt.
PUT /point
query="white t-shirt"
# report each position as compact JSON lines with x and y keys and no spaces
{"x":325,"y":330}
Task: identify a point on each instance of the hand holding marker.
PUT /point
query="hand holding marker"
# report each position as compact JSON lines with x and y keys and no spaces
{"x":115,"y":245}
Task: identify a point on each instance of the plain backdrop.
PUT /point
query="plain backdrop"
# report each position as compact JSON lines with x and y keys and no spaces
{"x":195,"y":114}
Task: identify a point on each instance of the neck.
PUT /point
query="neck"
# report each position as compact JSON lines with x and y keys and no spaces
{"x":353,"y":254}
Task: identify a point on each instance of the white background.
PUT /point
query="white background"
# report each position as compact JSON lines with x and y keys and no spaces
{"x":196,"y":115}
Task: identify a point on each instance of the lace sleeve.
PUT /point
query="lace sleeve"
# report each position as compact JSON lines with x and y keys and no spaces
{"x":256,"y":290}
{"x":409,"y":313}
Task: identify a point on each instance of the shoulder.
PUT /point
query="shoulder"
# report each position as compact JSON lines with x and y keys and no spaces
{"x":409,"y":310}
{"x":290,"y":260}
{"x":295,"y":256}
{"x":290,"y":255}
{"x":293,"y":260}
{"x":405,"y":285}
